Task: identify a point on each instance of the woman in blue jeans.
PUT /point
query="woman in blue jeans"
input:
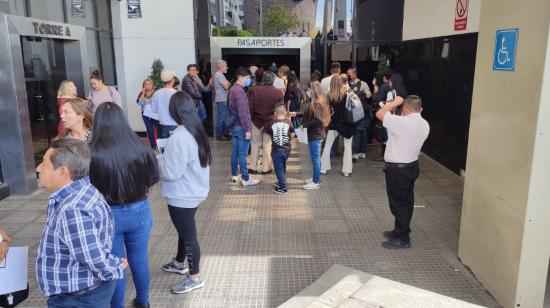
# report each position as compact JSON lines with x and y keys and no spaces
{"x":123,"y":169}
{"x":150,"y":119}
{"x":316,"y":118}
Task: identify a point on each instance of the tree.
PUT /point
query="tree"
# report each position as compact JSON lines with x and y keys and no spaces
{"x":156,"y":69}
{"x":229,"y":31}
{"x":278,"y":20}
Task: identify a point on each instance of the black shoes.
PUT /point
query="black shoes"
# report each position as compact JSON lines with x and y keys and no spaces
{"x":396,"y":243}
{"x":223,"y":138}
{"x":136,"y":305}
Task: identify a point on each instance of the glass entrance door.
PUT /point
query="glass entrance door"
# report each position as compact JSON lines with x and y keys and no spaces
{"x":44,"y":66}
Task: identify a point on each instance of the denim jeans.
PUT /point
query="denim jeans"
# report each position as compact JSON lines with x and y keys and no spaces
{"x":165,"y":130}
{"x":315,"y":153}
{"x":221,"y":130}
{"x":133,"y":224}
{"x":97,"y":298}
{"x":202,"y":112}
{"x":279,"y":164}
{"x":151,"y":125}
{"x":359,"y":144}
{"x":239,"y":152}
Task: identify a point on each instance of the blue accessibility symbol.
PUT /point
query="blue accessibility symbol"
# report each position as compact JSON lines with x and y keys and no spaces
{"x":505,"y":50}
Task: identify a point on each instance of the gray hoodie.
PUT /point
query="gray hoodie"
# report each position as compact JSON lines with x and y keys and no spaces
{"x":184,"y":183}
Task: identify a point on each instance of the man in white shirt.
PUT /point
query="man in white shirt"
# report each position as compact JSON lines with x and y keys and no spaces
{"x":335,"y":70}
{"x":160,"y":102}
{"x":406,"y":135}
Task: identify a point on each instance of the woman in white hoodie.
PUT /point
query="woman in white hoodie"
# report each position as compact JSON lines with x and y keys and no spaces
{"x":185,"y":171}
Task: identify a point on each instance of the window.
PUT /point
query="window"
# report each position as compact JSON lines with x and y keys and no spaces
{"x":107,"y":60}
{"x":18,"y":7}
{"x":93,"y":52}
{"x":47,"y":9}
{"x":103,"y":14}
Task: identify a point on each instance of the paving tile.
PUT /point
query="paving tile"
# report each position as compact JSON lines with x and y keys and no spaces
{"x":259,"y":249}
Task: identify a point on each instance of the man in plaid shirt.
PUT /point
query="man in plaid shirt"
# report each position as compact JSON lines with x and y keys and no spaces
{"x":74,"y":265}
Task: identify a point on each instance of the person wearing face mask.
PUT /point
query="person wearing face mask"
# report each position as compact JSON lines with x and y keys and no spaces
{"x":101,"y":93}
{"x":241,"y":128}
{"x":192,"y":85}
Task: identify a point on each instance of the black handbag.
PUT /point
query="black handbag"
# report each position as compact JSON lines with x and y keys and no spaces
{"x":15,"y":298}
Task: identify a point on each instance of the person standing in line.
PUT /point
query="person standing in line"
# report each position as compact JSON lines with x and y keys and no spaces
{"x":407,"y":134}
{"x":294,"y":97}
{"x":77,"y":119}
{"x":279,"y":82}
{"x":66,"y":90}
{"x":361,"y":89}
{"x":273,"y":68}
{"x":150,"y":119}
{"x":241,"y":128}
{"x":161,"y":101}
{"x":185,"y":175}
{"x":384,"y":92}
{"x":339,"y":125}
{"x":335,"y":70}
{"x":101,"y":93}
{"x":315,"y":118}
{"x":281,"y":131}
{"x":262,"y":100}
{"x":221,"y":87}
{"x":123,"y":169}
{"x":192,"y":85}
{"x":74,"y":263}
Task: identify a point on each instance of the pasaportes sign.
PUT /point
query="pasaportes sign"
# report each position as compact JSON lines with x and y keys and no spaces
{"x":260,"y":42}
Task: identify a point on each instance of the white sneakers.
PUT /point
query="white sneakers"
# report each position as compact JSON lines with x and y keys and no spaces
{"x":362,"y":155}
{"x":235,"y":178}
{"x":311,"y":186}
{"x":250,"y":182}
{"x":310,"y":180}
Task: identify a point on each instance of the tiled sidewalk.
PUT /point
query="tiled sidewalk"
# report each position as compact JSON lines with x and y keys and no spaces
{"x":259,"y":249}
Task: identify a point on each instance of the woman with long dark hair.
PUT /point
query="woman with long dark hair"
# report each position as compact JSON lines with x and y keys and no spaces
{"x":123,"y":169}
{"x":185,"y":175}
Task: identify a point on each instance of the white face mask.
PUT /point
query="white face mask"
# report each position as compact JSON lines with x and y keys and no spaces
{"x":373,"y":82}
{"x":308,"y":93}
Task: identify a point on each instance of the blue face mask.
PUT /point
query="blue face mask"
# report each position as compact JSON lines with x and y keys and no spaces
{"x":247,"y":82}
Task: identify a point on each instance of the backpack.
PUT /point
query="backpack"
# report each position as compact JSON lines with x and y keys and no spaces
{"x":354,"y":107}
{"x":230,"y":116}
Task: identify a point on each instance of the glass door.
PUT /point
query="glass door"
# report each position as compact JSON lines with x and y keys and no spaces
{"x":44,"y":66}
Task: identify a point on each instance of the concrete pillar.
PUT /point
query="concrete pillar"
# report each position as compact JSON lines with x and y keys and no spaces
{"x":506,"y":210}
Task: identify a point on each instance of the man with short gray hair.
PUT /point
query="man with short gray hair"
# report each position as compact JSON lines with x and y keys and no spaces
{"x":406,"y":135}
{"x":74,"y":264}
{"x":263,"y":99}
{"x":221,"y":88}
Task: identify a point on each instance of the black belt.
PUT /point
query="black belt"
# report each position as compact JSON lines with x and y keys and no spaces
{"x":88,"y":289}
{"x":401,"y":165}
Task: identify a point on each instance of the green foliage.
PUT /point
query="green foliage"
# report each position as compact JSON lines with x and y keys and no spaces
{"x":219,"y":31}
{"x":156,"y":69}
{"x":277,"y":20}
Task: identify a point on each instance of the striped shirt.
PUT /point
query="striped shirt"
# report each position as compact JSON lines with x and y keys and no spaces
{"x":75,"y":249}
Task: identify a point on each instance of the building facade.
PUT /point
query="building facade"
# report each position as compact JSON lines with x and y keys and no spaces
{"x":305,"y":10}
{"x":43,"y":42}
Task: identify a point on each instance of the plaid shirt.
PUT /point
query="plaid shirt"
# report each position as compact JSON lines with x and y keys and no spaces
{"x":238,"y":102}
{"x":75,"y":249}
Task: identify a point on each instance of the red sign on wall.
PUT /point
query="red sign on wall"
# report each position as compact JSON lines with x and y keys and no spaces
{"x":461,"y":15}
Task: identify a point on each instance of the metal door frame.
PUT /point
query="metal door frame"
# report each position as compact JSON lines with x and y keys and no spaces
{"x":16,"y":148}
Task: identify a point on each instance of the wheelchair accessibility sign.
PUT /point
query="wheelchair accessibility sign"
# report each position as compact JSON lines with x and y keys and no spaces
{"x":505,"y":50}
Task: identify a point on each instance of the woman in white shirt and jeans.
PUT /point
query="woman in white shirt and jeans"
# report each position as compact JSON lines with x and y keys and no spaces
{"x":185,"y":171}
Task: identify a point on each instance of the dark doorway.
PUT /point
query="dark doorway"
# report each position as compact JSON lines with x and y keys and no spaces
{"x":261,"y":57}
{"x":44,"y":66}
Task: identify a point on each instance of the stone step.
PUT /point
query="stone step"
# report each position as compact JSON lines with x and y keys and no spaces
{"x":345,"y":287}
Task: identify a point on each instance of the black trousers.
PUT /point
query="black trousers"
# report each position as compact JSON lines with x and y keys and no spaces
{"x":400,"y":189}
{"x":188,"y":243}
